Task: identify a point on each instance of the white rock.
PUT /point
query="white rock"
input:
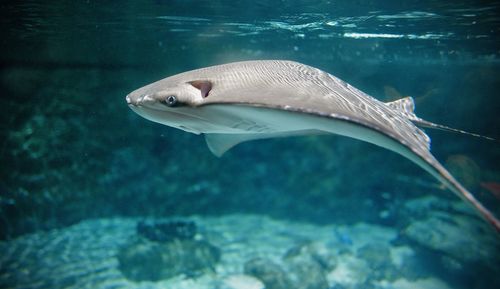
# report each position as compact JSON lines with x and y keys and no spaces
{"x":400,"y":254}
{"x":349,"y":272}
{"x":428,"y":283}
{"x":243,"y":282}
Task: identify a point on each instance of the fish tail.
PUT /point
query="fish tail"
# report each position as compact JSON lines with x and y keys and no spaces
{"x":406,"y":106}
{"x":423,"y":123}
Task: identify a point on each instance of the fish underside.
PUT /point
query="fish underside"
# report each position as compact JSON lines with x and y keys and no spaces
{"x":244,"y":101}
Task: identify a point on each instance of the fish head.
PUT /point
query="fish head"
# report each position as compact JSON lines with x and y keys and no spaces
{"x":170,"y":93}
{"x":177,"y":104}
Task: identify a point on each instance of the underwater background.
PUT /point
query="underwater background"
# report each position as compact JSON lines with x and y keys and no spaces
{"x":94,"y":196}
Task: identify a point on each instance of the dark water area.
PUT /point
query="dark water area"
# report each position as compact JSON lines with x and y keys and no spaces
{"x":72,"y":150}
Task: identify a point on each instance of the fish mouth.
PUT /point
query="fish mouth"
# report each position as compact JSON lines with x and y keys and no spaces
{"x":184,"y":118}
{"x":179,"y":111}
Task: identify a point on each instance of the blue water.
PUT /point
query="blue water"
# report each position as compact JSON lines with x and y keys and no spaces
{"x":71,"y":150}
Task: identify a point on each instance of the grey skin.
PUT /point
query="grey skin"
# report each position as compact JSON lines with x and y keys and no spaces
{"x":244,"y":101}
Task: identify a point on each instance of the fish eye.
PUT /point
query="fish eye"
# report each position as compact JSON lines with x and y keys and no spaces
{"x":171,"y":100}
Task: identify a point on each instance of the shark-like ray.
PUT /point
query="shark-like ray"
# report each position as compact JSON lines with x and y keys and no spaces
{"x":243,"y":101}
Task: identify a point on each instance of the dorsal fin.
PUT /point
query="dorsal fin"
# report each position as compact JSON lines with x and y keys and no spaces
{"x":406,"y":106}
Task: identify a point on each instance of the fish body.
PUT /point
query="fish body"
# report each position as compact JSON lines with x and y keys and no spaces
{"x":243,"y":101}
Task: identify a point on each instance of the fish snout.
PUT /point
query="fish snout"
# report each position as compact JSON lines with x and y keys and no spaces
{"x":138,"y":99}
{"x":129,"y":100}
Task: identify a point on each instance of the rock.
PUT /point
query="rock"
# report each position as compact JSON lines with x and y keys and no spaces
{"x":460,"y":246}
{"x":406,"y":263}
{"x":307,"y":265}
{"x":428,"y":283}
{"x":317,"y":251}
{"x":450,"y":234}
{"x":378,"y":258}
{"x":304,"y":267}
{"x":419,"y":207}
{"x":376,"y":255}
{"x":144,"y":260}
{"x":273,"y":276}
{"x":351,"y":272}
{"x":306,"y":273}
{"x":167,"y":231}
{"x":242,"y":282}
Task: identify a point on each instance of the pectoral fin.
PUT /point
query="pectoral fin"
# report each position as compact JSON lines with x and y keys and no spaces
{"x":219,"y":143}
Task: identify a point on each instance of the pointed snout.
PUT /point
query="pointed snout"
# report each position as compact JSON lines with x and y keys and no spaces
{"x":138,"y":99}
{"x":129,"y":100}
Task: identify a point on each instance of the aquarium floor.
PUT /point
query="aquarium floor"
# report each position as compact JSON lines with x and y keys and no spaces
{"x":84,"y":255}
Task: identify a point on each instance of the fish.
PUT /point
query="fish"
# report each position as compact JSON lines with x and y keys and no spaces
{"x":250,"y":100}
{"x":492,"y":187}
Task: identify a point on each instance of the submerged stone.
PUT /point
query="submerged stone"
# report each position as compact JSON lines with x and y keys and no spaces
{"x":462,"y":237}
{"x":166,"y":231}
{"x":459,"y":246}
{"x":378,"y":258}
{"x":303,"y":267}
{"x":316,"y":251}
{"x":307,"y":265}
{"x":271,"y":274}
{"x":144,"y":260}
{"x":306,"y":273}
{"x":350,"y":272}
{"x":377,"y":255}
{"x":242,"y":281}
